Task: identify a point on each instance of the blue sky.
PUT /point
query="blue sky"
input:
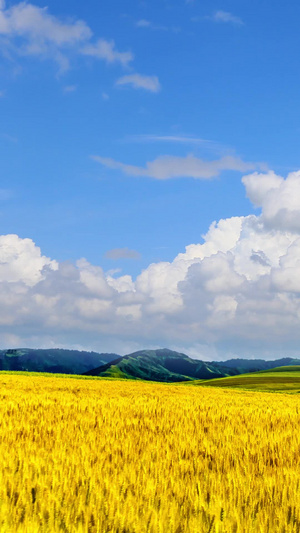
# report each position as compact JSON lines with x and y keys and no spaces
{"x":125,"y":132}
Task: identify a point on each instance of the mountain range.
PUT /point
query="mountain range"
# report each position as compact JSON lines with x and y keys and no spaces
{"x":154,"y":365}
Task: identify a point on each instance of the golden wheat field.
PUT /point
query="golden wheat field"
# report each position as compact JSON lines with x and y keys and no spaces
{"x":132,"y":457}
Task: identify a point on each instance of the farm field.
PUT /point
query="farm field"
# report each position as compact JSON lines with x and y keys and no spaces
{"x":95,"y":455}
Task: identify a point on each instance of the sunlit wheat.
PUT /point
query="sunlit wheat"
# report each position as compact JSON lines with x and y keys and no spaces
{"x":132,"y":457}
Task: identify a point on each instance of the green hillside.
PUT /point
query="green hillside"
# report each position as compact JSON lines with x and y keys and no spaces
{"x":160,"y":365}
{"x":281,"y":379}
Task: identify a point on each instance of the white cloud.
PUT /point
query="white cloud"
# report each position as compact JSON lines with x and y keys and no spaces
{"x":30,"y":30}
{"x":107,"y":50}
{"x":167,"y":167}
{"x":235,"y":294}
{"x":225,"y":16}
{"x":122,"y":253}
{"x":138,"y":81}
{"x":21,"y":260}
{"x":278,"y":197}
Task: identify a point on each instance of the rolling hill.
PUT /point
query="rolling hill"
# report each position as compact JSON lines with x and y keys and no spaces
{"x":52,"y":360}
{"x":160,"y":365}
{"x":281,"y":379}
{"x":243,"y":366}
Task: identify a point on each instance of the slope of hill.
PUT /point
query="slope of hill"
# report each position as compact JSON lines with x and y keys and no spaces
{"x":160,"y":365}
{"x":281,"y":379}
{"x":52,"y":360}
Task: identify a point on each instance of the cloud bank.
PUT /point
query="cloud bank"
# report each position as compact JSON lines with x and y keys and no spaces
{"x":236,"y":293}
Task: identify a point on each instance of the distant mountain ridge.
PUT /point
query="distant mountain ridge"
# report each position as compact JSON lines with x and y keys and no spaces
{"x":53,"y":360}
{"x":244,"y":366}
{"x":154,"y":365}
{"x":161,"y":365}
{"x":170,"y":366}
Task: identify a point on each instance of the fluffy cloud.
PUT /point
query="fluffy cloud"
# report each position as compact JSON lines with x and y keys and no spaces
{"x":279,"y":198}
{"x":236,"y":293}
{"x":138,"y":81}
{"x":167,"y":167}
{"x":21,"y":260}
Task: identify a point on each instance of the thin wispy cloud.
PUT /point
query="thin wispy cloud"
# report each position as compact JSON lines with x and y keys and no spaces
{"x":226,"y":17}
{"x":169,"y":167}
{"x":70,"y":88}
{"x":205,"y":145}
{"x":122,"y":253}
{"x":5,"y":194}
{"x":169,"y":139}
{"x":9,"y":138}
{"x":139,"y":81}
{"x":144,"y":23}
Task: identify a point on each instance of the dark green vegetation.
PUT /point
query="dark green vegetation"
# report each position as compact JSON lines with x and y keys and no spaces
{"x":52,"y":360}
{"x":281,"y":379}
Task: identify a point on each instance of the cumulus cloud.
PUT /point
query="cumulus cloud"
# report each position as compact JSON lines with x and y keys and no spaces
{"x":122,"y":253}
{"x":138,"y":81}
{"x":235,"y":293}
{"x":21,"y":260}
{"x":167,"y":167}
{"x":279,"y":198}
